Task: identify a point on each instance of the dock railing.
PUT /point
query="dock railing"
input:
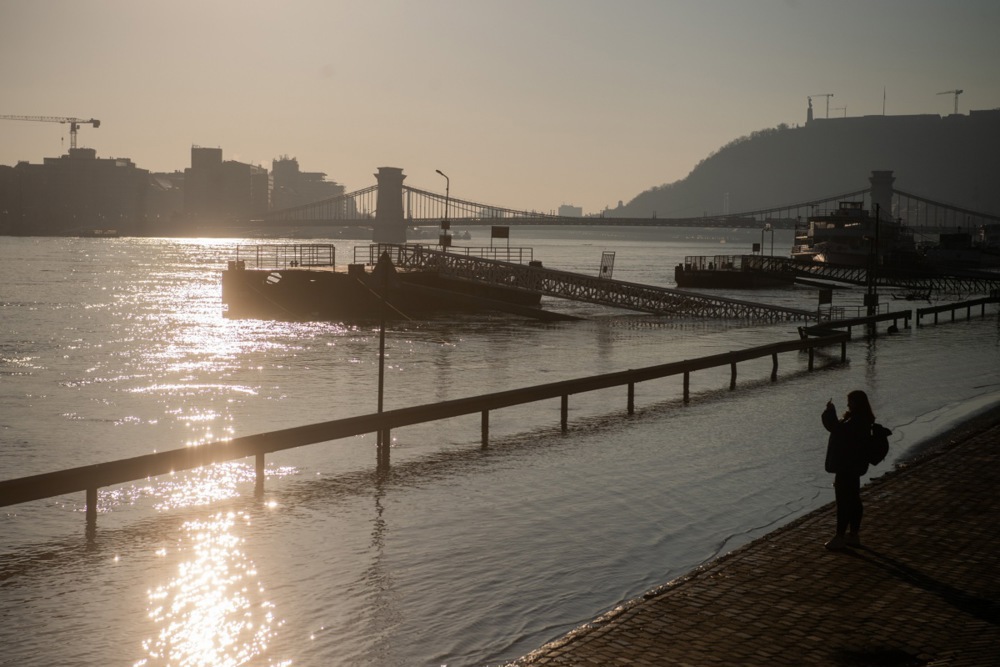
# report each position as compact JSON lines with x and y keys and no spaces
{"x":403,"y":254}
{"x":285,"y":256}
{"x":92,"y":477}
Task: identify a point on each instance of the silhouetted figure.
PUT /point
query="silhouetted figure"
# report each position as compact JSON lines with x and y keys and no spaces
{"x":847,"y":460}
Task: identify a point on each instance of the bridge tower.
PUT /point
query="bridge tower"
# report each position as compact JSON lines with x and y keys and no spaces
{"x":881,"y":182}
{"x":390,"y":226}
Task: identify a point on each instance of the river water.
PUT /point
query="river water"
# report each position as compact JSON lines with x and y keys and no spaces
{"x":459,"y":555}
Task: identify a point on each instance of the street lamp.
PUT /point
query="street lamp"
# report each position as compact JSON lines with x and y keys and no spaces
{"x":767,"y":228}
{"x":447,"y":192}
{"x":871,"y":297}
{"x":443,"y":238}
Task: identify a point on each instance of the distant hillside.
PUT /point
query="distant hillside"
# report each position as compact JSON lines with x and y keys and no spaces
{"x":953,"y":159}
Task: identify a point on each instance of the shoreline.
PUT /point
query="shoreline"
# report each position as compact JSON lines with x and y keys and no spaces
{"x":613,"y":622}
{"x":935,"y":445}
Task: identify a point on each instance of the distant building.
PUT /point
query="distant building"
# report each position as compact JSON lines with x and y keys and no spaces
{"x":164,"y":201}
{"x":73,"y":194}
{"x":218,"y":191}
{"x":291,"y":187}
{"x":568,"y":211}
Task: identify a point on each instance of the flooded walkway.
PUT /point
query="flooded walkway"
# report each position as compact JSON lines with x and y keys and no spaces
{"x":923,"y":590}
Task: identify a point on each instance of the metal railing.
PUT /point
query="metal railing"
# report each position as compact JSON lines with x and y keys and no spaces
{"x":593,"y":289}
{"x":409,"y":255}
{"x":967,"y":305}
{"x":828,"y":325}
{"x":92,"y":477}
{"x":284,"y":256}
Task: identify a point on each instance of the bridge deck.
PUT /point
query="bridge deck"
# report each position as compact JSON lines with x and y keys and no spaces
{"x":578,"y":287}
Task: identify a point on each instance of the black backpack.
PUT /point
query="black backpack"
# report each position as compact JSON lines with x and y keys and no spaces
{"x":878,"y":444}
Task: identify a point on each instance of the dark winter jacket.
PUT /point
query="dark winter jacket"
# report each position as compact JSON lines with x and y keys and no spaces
{"x":845,"y":450}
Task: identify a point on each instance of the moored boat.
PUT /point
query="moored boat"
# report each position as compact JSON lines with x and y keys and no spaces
{"x":965,"y":251}
{"x":301,"y":282}
{"x":99,"y":233}
{"x":732,"y":272}
{"x":847,"y":236}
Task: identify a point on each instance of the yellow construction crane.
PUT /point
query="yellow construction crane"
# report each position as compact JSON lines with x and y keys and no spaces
{"x":956,"y":93}
{"x":74,"y":123}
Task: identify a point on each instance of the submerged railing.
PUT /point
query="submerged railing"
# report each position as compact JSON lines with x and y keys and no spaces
{"x":967,"y":305}
{"x":91,"y":478}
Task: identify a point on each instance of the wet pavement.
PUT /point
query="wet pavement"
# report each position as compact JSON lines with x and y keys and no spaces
{"x":924,"y":589}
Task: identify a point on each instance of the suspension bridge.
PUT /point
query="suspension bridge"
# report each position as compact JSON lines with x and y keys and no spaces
{"x":392,"y":207}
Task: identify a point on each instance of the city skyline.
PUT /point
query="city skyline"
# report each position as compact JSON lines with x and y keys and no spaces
{"x":524,"y":104}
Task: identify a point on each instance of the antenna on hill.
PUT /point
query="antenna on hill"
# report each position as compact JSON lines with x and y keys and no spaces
{"x":956,"y":93}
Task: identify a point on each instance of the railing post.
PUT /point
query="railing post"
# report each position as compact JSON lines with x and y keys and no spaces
{"x":383,"y":450}
{"x":774,"y":367}
{"x":631,"y":398}
{"x":687,"y":386}
{"x":564,"y":410}
{"x":259,"y":486}
{"x":485,"y":428}
{"x":732,"y":376}
{"x":91,"y":510}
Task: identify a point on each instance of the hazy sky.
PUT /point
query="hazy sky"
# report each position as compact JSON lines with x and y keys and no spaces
{"x":523,"y":103}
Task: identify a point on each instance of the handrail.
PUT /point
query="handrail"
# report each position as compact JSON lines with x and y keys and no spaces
{"x":593,"y":289}
{"x":981,"y":302}
{"x":824,"y":328}
{"x":930,"y":310}
{"x":90,"y":478}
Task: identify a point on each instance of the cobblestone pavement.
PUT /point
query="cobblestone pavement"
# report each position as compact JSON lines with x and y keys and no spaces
{"x":923,"y":590}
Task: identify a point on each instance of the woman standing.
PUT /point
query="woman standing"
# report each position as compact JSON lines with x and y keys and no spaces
{"x":845,"y":458}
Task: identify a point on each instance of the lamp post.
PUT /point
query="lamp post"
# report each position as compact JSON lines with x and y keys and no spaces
{"x":767,"y":228}
{"x":381,"y":439}
{"x":443,"y":237}
{"x":871,"y":297}
{"x":447,"y":192}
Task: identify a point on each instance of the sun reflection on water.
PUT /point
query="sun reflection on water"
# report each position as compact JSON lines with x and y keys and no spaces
{"x":193,"y":488}
{"x":214,"y":611}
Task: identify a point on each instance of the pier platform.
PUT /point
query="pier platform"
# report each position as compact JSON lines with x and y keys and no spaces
{"x":923,"y":590}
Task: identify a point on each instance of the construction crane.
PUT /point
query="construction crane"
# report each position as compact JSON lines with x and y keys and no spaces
{"x":956,"y":93}
{"x":74,"y":123}
{"x":827,"y":96}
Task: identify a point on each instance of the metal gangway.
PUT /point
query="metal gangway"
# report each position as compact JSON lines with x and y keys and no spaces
{"x":918,"y":280}
{"x":577,"y":287}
